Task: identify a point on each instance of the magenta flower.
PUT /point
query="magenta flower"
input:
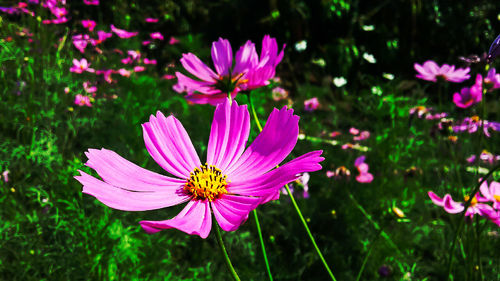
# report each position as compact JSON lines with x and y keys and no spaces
{"x":468,"y":96}
{"x":472,"y":124}
{"x":79,"y":66}
{"x":156,"y":35}
{"x":89,"y":88}
{"x":173,"y":40}
{"x":311,"y":104}
{"x":80,"y":42}
{"x":151,"y":20}
{"x":279,"y":93}
{"x":492,"y":79}
{"x":5,"y":175}
{"x":82,"y":100}
{"x":232,"y":182}
{"x":139,"y":68}
{"x":453,"y":207}
{"x":123,"y":33}
{"x":101,"y":37}
{"x":430,"y":71}
{"x":364,"y":176}
{"x":149,"y":61}
{"x":362,"y":136}
{"x":490,"y":194}
{"x":91,"y":2}
{"x":89,"y":24}
{"x":249,"y":72}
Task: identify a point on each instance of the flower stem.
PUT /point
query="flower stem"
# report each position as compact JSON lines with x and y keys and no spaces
{"x":263,"y":247}
{"x":318,"y":251}
{"x":226,"y":257}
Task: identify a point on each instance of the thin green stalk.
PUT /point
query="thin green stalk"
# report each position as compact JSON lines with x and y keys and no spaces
{"x":462,"y":220}
{"x":478,"y":248}
{"x":365,"y":260}
{"x":226,"y":256}
{"x":262,"y":246}
{"x":297,"y":209}
{"x":257,"y":223}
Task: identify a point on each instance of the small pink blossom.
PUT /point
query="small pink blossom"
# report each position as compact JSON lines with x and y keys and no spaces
{"x":89,"y":24}
{"x":335,"y":134}
{"x":452,"y":207}
{"x":279,"y":93}
{"x":123,"y":33}
{"x":148,"y":61}
{"x":134,"y":54}
{"x":156,"y":35}
{"x":173,"y":40}
{"x":430,"y":71}
{"x":106,"y":74}
{"x":362,"y":136}
{"x":91,"y":2}
{"x":492,"y":79}
{"x":5,"y":175}
{"x":311,"y":104}
{"x":490,"y":194}
{"x":79,"y":66}
{"x":80,"y":42}
{"x":82,"y":100}
{"x":168,"y":77}
{"x":89,"y":88}
{"x":469,"y":96}
{"x":145,"y":43}
{"x":66,"y":90}
{"x":123,"y":72}
{"x":364,"y":176}
{"x":353,"y":131}
{"x":151,"y":20}
{"x":471,"y":159}
{"x":101,"y":37}
{"x":139,"y":68}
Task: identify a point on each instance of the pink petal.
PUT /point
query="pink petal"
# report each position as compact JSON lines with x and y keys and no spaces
{"x":196,"y":67}
{"x":119,"y":172}
{"x":246,"y":58}
{"x":436,"y":199}
{"x":272,"y":181}
{"x":170,"y":146}
{"x":194,"y":219}
{"x":364,"y":177}
{"x":214,"y":99}
{"x":229,"y":134}
{"x":360,"y":160}
{"x":199,"y":86}
{"x":231,"y":211}
{"x":125,"y":200}
{"x":271,"y":146}
{"x":451,"y":206}
{"x":222,"y":55}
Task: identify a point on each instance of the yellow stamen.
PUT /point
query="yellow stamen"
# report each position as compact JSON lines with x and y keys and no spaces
{"x":475,"y":118}
{"x":472,"y":202}
{"x":497,"y":197}
{"x":206,"y":182}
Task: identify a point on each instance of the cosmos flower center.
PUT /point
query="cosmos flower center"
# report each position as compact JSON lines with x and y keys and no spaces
{"x":206,"y":182}
{"x":472,"y":202}
{"x":474,"y":118}
{"x":497,"y":197}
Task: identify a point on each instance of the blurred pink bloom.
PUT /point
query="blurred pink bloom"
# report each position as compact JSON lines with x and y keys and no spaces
{"x":488,"y":157}
{"x":124,"y":72}
{"x":311,"y":104}
{"x":134,"y":54}
{"x":472,"y":124}
{"x":106,"y":74}
{"x":471,"y":158}
{"x":330,"y":173}
{"x":89,"y":24}
{"x":173,"y":40}
{"x":79,"y":66}
{"x":436,"y":116}
{"x":492,"y":79}
{"x":101,"y":37}
{"x":127,"y":60}
{"x":233,"y":182}
{"x":490,"y":194}
{"x":147,"y":42}
{"x":335,"y":134}
{"x":353,"y":131}
{"x":453,"y":207}
{"x":59,"y":12}
{"x":362,"y":136}
{"x":151,"y":20}
{"x":80,"y":42}
{"x":89,"y":88}
{"x":5,"y":175}
{"x":156,"y":35}
{"x":91,"y":2}
{"x":430,"y":71}
{"x":55,"y":21}
{"x":249,"y":72}
{"x":139,"y":68}
{"x":469,"y":96}
{"x":279,"y":93}
{"x":148,"y":61}
{"x":168,"y":76}
{"x":81,"y":100}
{"x":364,"y":176}
{"x":123,"y":33}
{"x":66,"y":90}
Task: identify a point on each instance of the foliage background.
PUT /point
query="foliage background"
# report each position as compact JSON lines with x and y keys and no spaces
{"x":50,"y":231}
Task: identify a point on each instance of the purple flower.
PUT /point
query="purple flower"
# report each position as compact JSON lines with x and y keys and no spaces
{"x":453,"y":207}
{"x":364,"y":176}
{"x":311,"y":104}
{"x":472,"y":124}
{"x":430,"y":71}
{"x":492,"y":79}
{"x":468,"y":96}
{"x":232,"y":182}
{"x":79,"y":66}
{"x":249,"y":72}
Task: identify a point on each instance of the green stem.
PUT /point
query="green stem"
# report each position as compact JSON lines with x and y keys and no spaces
{"x":462,"y":220}
{"x":478,"y":248}
{"x":262,"y":246}
{"x":318,"y":251}
{"x":365,"y":260}
{"x":226,"y":257}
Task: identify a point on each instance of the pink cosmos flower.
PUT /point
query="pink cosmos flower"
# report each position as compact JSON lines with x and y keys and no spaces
{"x":123,"y":72}
{"x":145,"y":43}
{"x":232,"y":182}
{"x":148,"y":61}
{"x":134,"y":54}
{"x":123,"y":33}
{"x":79,"y":66}
{"x":364,"y":176}
{"x":353,"y":131}
{"x":151,"y":20}
{"x":311,"y":104}
{"x":5,"y":175}
{"x":362,"y":136}
{"x":468,"y":96}
{"x":101,"y":37}
{"x":173,"y":40}
{"x":82,"y":100}
{"x":472,"y":124}
{"x":453,"y":207}
{"x":106,"y":74}
{"x":156,"y":35}
{"x":89,"y":88}
{"x":91,"y":2}
{"x":430,"y":71}
{"x":139,"y":68}
{"x":89,"y":24}
{"x":490,"y":194}
{"x":249,"y":72}
{"x":80,"y":42}
{"x":492,"y":79}
{"x":279,"y":93}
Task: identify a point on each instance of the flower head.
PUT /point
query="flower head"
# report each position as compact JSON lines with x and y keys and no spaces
{"x":364,"y":176}
{"x":82,"y":100}
{"x":430,"y":71}
{"x":469,"y":96}
{"x":311,"y":104}
{"x":89,"y":24}
{"x":232,"y":182}
{"x":249,"y":71}
{"x":123,"y":33}
{"x":453,"y":207}
{"x":79,"y":66}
